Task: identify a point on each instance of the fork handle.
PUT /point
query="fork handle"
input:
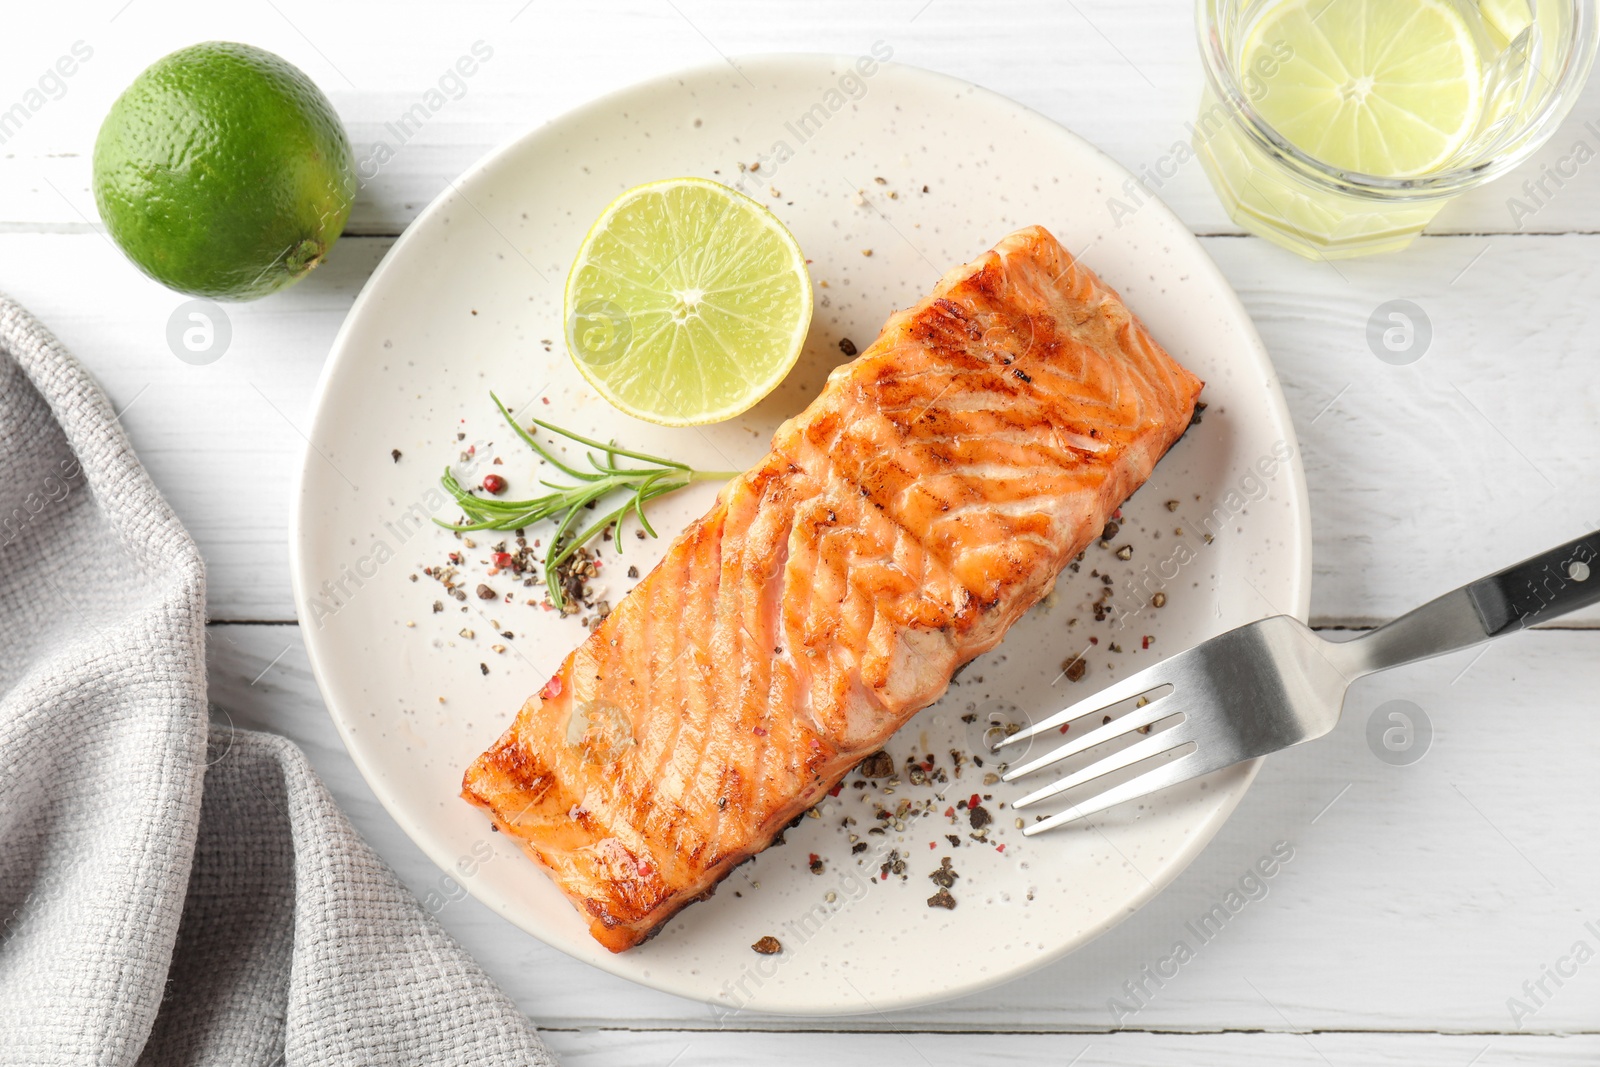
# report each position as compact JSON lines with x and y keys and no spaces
{"x":1539,"y":589}
{"x":1545,"y":587}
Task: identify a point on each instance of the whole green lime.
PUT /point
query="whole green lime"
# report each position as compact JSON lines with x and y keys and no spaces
{"x":222,"y":171}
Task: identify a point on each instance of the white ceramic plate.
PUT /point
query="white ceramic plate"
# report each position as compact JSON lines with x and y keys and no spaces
{"x":925,"y":172}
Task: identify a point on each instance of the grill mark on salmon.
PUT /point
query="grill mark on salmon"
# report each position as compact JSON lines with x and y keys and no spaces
{"x":900,"y":525}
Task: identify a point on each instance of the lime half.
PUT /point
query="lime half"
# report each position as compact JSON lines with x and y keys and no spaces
{"x":1385,"y":87}
{"x":688,"y":302}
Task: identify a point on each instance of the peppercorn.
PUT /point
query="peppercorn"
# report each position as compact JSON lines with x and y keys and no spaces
{"x":493,"y":483}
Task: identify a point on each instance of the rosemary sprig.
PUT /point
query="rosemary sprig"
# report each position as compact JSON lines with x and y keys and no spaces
{"x":563,"y":503}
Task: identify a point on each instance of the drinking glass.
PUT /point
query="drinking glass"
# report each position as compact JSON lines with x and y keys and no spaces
{"x":1274,"y":189}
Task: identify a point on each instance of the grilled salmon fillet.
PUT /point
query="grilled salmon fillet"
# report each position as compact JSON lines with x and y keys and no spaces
{"x":927,"y":498}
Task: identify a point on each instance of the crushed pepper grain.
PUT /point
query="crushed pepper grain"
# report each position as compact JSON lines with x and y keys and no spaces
{"x":878,"y":765}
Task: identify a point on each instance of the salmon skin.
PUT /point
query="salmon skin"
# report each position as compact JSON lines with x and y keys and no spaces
{"x":916,"y":509}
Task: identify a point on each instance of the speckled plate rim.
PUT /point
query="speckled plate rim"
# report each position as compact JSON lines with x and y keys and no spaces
{"x":322,"y":408}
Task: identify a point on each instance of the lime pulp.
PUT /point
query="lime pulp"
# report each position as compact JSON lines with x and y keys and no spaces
{"x":687,"y":303}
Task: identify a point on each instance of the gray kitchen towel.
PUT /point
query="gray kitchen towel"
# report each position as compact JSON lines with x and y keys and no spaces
{"x":175,"y":893}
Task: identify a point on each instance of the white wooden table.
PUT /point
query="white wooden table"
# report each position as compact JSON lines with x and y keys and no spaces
{"x":1421,"y":898}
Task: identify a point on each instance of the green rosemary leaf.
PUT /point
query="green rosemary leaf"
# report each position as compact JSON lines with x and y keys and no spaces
{"x":564,"y":503}
{"x":643,"y":457}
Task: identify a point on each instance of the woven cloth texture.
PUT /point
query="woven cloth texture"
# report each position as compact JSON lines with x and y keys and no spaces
{"x":174,"y":892}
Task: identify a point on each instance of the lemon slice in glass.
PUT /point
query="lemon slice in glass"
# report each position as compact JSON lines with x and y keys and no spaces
{"x":688,"y":302}
{"x":1505,"y":19}
{"x":1385,"y":87}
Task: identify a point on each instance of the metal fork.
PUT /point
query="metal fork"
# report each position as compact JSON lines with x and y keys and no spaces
{"x":1274,"y":683}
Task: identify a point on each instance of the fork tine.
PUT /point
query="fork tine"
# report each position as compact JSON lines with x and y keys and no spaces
{"x":1152,"y":712}
{"x":1131,"y":686}
{"x":1153,"y":745}
{"x":1178,"y":771}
